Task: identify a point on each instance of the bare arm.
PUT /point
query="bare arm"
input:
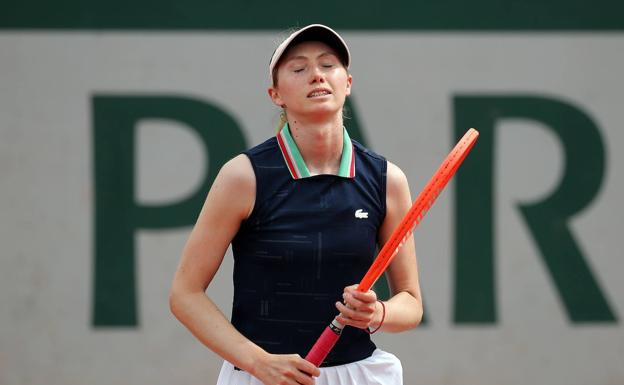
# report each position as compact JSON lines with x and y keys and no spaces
{"x":404,"y":309}
{"x":229,"y":202}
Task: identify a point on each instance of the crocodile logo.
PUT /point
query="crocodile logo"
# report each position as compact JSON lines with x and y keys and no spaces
{"x":361,"y":214}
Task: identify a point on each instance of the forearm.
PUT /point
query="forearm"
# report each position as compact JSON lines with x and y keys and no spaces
{"x":210,"y":326}
{"x":403,"y":312}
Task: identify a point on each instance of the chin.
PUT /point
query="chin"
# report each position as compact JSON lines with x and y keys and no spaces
{"x":324,"y":110}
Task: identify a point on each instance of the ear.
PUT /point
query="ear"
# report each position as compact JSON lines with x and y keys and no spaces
{"x":275,"y":98}
{"x":349,"y":82}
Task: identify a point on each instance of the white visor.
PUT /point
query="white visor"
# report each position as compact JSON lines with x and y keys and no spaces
{"x":312,"y":32}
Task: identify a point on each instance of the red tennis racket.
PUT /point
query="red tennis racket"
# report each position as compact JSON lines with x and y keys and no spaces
{"x":419,"y":208}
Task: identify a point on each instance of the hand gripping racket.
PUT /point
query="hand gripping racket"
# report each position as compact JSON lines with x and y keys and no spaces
{"x":419,"y":208}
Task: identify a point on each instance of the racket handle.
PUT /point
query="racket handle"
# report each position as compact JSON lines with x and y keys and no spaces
{"x":324,"y":345}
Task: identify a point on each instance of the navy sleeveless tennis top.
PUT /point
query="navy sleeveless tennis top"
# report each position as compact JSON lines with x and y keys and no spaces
{"x":306,"y":239}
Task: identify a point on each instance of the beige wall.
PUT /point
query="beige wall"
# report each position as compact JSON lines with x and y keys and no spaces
{"x":403,"y":88}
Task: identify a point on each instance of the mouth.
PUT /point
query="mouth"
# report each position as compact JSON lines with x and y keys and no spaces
{"x":319,"y":93}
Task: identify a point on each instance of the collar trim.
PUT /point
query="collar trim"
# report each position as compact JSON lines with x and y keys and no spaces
{"x":296,"y":165}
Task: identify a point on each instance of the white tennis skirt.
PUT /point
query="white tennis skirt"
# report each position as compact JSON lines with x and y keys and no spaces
{"x":381,"y":368}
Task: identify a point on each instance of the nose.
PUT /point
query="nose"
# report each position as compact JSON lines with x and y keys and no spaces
{"x":317,"y":76}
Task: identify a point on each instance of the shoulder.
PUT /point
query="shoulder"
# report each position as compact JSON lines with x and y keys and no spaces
{"x":370,"y":164}
{"x":397,"y":185}
{"x":395,"y":174}
{"x":240,"y":169}
{"x":360,"y":149}
{"x":235,"y":187}
{"x":398,"y":197}
{"x":266,"y":146}
{"x":237,"y":173}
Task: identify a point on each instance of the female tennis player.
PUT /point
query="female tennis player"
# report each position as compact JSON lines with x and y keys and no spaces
{"x":305,"y":212}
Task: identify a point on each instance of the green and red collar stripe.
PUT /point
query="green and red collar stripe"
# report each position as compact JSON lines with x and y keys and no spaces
{"x":296,"y":164}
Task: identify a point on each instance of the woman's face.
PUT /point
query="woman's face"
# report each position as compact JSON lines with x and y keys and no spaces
{"x":311,"y":81}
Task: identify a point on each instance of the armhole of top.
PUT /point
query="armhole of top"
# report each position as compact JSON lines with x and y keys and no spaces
{"x":253,"y":210}
{"x":384,"y":187}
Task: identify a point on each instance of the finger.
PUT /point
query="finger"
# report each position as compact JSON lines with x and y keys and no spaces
{"x":308,"y":368}
{"x":352,"y":314}
{"x":350,"y":322}
{"x":355,"y":304}
{"x":301,"y":377}
{"x":294,"y":372}
{"x":367,"y":296}
{"x":351,"y":287}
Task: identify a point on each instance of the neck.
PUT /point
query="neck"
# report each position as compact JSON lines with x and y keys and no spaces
{"x":319,"y":142}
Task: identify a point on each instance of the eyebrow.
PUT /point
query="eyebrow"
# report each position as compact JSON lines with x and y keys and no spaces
{"x":306,"y":58}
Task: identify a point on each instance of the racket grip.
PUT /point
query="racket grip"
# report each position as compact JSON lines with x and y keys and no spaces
{"x":323,"y":345}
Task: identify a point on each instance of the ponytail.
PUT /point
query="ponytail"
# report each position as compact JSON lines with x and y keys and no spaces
{"x":282,"y":120}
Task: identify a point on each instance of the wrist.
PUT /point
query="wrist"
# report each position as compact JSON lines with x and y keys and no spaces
{"x":378,"y":317}
{"x":257,"y":360}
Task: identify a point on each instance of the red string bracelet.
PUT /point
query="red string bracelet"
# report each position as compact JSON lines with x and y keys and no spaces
{"x":383,"y":317}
